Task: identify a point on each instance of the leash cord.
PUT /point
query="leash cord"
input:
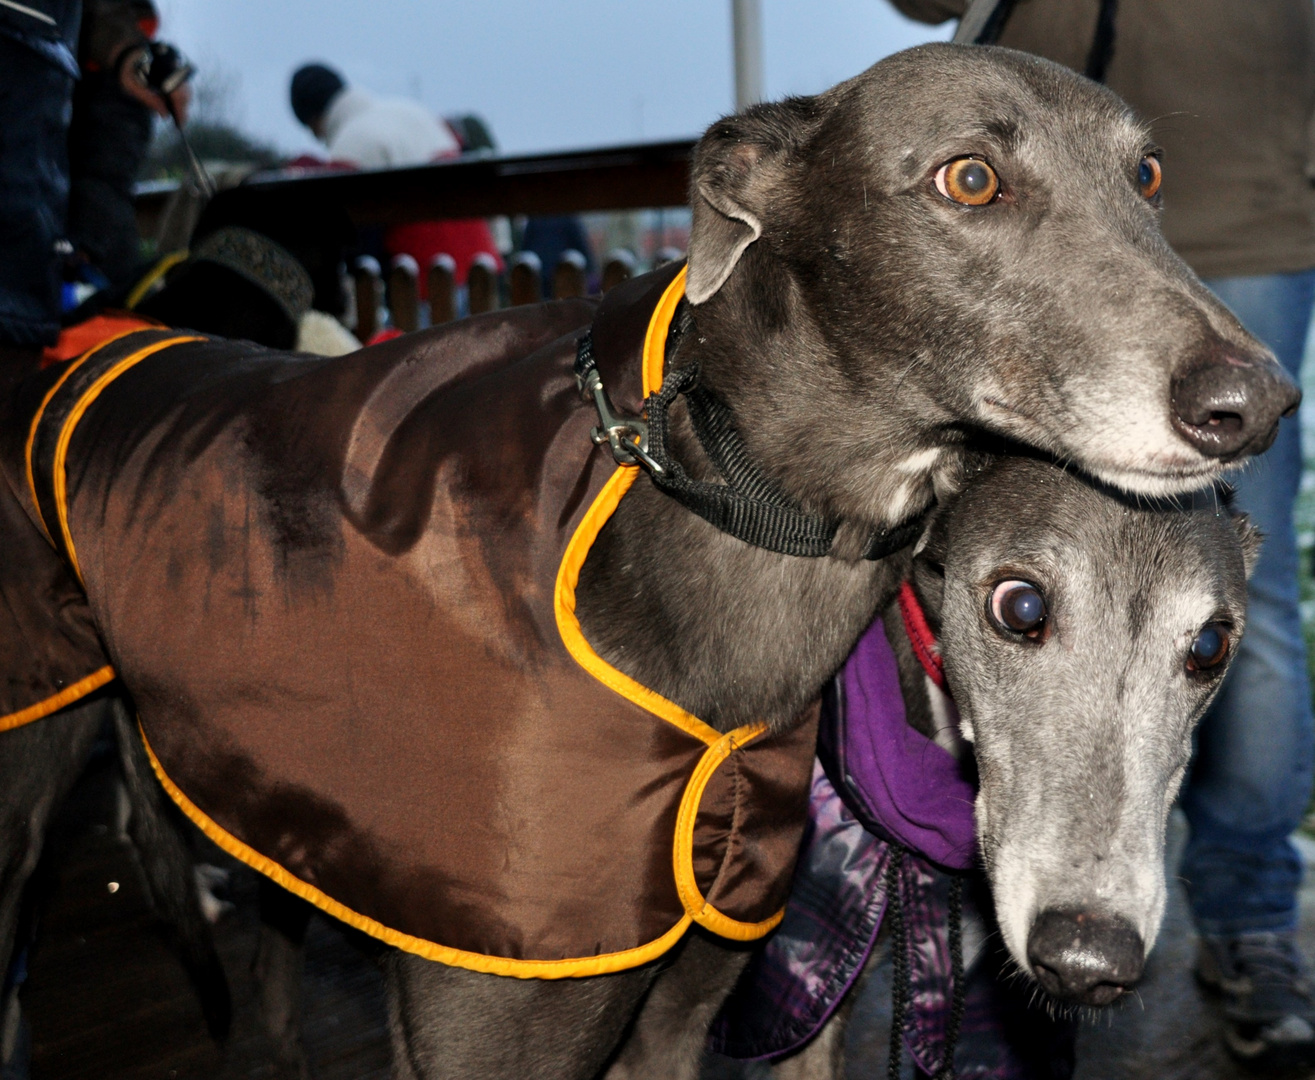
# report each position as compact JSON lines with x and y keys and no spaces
{"x":900,"y":972}
{"x":957,"y":977}
{"x":1102,"y":43}
{"x":899,"y":977}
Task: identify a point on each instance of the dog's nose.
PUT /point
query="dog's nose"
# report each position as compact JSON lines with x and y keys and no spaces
{"x":1084,"y":957}
{"x":1231,"y":405}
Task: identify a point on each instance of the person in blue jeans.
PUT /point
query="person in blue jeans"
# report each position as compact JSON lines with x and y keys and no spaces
{"x":1229,"y":91}
{"x":1250,"y":780}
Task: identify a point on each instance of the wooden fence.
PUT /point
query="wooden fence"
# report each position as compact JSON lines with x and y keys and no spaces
{"x":643,"y":176}
{"x":485,"y":288}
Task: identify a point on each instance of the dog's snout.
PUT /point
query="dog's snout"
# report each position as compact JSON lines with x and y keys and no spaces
{"x":1084,"y":957}
{"x":1231,"y":405}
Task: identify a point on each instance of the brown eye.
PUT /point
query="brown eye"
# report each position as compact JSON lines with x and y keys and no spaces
{"x":1148,"y":176}
{"x":968,"y":181}
{"x":1210,"y":649}
{"x":1018,"y":606}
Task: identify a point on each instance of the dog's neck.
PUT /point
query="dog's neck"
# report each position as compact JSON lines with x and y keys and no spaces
{"x":734,"y":633}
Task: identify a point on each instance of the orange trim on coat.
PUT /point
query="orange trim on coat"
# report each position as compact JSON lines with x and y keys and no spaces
{"x":687,"y":886}
{"x":55,"y":702}
{"x":568,"y":626}
{"x":568,"y":576}
{"x":602,"y":964}
{"x":36,"y":423}
{"x":655,"y":338}
{"x":59,"y":474}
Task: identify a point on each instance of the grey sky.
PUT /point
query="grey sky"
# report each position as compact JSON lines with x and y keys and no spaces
{"x":546,"y":74}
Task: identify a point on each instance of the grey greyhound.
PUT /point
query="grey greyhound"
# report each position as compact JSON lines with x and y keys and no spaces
{"x":958,"y":239}
{"x":1083,"y":634}
{"x":837,"y":258}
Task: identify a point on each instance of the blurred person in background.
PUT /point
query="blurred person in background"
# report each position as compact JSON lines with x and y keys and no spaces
{"x":114,"y":109}
{"x":1229,"y":89}
{"x":379,"y":133}
{"x":550,"y":236}
{"x":38,"y":68}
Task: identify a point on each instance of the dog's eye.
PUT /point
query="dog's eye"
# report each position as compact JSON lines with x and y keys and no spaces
{"x":967,"y":180}
{"x":1148,"y":176}
{"x":1210,"y":649}
{"x":1019,"y":607}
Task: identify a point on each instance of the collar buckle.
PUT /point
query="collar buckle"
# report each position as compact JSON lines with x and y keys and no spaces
{"x":626,"y":435}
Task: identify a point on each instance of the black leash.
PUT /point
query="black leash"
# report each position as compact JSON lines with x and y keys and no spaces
{"x":899,"y":959}
{"x":956,"y":975}
{"x":750,"y":505}
{"x":1102,"y":43}
{"x":900,"y":977}
{"x":983,"y":22}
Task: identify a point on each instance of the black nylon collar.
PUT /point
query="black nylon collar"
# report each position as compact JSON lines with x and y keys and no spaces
{"x":750,"y":505}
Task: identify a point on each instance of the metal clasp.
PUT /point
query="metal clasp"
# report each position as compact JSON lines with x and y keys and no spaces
{"x":627,"y":436}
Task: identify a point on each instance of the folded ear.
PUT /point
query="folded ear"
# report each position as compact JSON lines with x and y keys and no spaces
{"x":928,"y":570}
{"x":1252,"y":539}
{"x":738,"y":165}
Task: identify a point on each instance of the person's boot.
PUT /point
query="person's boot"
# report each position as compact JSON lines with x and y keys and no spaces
{"x":1269,"y":1009}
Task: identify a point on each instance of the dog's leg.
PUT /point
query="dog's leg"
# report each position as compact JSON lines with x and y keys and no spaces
{"x":156,"y":830}
{"x":280,"y":958}
{"x":670,"y":1032}
{"x":39,"y":764}
{"x":452,"y":1024}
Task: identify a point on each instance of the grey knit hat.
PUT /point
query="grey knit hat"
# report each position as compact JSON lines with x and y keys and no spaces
{"x":265,"y":264}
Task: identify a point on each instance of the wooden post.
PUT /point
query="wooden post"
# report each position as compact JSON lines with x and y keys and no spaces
{"x":404,"y":293}
{"x":525,"y":279}
{"x":369,"y":292}
{"x":442,"y":289}
{"x":570,"y":278}
{"x":619,"y":266}
{"x":482,"y":284}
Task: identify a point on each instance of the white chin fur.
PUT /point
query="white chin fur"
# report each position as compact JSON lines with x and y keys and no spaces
{"x":1155,"y":485}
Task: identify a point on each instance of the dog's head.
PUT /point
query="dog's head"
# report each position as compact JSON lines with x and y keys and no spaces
{"x":960,"y":237}
{"x":1084,"y":633}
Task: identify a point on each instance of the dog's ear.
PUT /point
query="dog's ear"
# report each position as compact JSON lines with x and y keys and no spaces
{"x":1251,"y":538}
{"x":928,"y":572}
{"x":738,"y":165}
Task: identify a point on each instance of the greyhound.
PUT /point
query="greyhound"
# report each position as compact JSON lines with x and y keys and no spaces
{"x":1083,"y":635}
{"x":956,"y":239}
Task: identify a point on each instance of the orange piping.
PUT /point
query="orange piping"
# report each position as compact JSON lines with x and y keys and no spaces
{"x":602,"y":964}
{"x":89,"y":395}
{"x":36,"y":420}
{"x":696,"y":905}
{"x":55,"y":702}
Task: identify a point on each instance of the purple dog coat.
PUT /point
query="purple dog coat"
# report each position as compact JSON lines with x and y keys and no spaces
{"x":899,"y":788}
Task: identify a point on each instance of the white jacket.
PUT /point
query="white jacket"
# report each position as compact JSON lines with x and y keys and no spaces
{"x":381,"y":133}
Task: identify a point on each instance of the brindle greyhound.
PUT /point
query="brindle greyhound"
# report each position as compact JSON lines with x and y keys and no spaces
{"x":956,"y":239}
{"x":1083,"y":635}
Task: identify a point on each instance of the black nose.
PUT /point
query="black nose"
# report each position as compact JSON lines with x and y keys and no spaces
{"x":1231,"y":405}
{"x":1084,"y":957}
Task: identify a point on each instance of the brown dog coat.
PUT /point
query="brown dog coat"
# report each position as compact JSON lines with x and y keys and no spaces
{"x":341,"y":594}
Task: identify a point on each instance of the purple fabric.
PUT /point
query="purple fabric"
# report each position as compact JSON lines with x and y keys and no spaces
{"x":911,"y":791}
{"x":803,"y":971}
{"x":797,"y":979}
{"x":913,"y":788}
